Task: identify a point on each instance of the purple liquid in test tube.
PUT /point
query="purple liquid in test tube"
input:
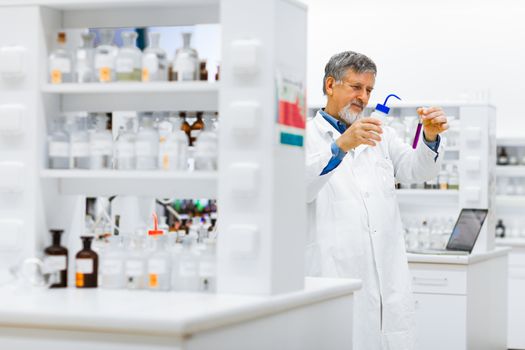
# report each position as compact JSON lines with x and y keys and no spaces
{"x":416,"y":136}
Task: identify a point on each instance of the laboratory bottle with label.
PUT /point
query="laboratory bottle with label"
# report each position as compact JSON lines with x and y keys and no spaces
{"x":187,"y":276}
{"x":205,"y":152}
{"x":208,"y":267}
{"x":174,"y":153}
{"x":154,"y":60}
{"x":186,"y":61}
{"x":203,"y":71}
{"x":381,"y":110}
{"x":101,"y":144}
{"x":500,"y":229}
{"x":55,"y":261}
{"x":128,"y":64}
{"x":196,"y":127}
{"x":86,"y":265}
{"x":59,"y":145}
{"x":112,"y":265}
{"x":105,"y":56}
{"x":80,"y":141}
{"x":85,"y":59}
{"x":503,"y":158}
{"x":159,"y":261}
{"x":61,"y":62}
{"x":147,"y":143}
{"x":135,"y":265}
{"x":125,"y":147}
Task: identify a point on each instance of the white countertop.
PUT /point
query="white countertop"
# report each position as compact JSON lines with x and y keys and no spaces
{"x":152,"y":313}
{"x":511,"y":242}
{"x":457,"y":259}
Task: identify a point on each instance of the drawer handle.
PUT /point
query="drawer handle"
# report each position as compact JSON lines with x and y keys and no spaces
{"x":430,"y":281}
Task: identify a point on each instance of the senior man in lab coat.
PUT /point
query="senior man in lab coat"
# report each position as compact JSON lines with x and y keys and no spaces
{"x":355,"y":228}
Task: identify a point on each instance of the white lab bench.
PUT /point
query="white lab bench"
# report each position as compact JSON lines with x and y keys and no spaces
{"x":516,"y":306}
{"x":318,"y":317}
{"x":461,"y":301}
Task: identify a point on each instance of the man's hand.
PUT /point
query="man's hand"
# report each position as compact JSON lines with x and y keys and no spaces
{"x":364,"y":131}
{"x":434,"y":122}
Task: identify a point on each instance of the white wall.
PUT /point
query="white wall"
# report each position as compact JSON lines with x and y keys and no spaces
{"x":428,"y":50}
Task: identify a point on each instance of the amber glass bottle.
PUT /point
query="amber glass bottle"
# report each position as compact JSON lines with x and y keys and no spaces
{"x":87,"y":265}
{"x":185,"y":126}
{"x":196,"y":128}
{"x":55,"y":261}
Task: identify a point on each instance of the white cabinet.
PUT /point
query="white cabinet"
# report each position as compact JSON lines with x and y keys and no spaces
{"x":516,"y":299}
{"x":431,"y":310}
{"x":460,"y":301}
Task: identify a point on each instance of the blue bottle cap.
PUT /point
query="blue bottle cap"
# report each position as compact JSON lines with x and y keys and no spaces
{"x":382,"y":107}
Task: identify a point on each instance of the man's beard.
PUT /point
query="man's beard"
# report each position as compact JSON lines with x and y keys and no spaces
{"x":349,"y":116}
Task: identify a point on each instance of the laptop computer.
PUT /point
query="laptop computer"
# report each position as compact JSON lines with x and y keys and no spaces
{"x":463,"y":236}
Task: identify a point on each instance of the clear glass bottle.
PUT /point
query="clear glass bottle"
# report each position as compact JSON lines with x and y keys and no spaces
{"x":61,"y":62}
{"x":154,"y":60}
{"x":174,"y":152}
{"x":55,"y":261}
{"x":206,"y":148}
{"x":159,"y":264}
{"x":186,"y":61}
{"x":147,"y":143}
{"x":443,"y":178}
{"x":86,"y":265}
{"x":101,"y":144}
{"x":59,"y":145}
{"x":85,"y":59}
{"x":105,"y":55}
{"x":453,"y":177}
{"x":128,"y":64}
{"x":135,"y":265}
{"x":125,"y":147}
{"x":112,"y":266}
{"x":208,"y":267}
{"x":80,"y":142}
{"x":187,"y":268}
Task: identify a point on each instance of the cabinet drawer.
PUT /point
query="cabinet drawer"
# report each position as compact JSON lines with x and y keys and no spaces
{"x":438,"y":279}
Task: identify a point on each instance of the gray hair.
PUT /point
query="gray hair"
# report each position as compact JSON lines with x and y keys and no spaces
{"x":341,"y":62}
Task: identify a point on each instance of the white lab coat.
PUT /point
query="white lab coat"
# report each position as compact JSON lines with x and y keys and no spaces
{"x":355,"y":228}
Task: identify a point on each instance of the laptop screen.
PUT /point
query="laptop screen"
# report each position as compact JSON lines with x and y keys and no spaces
{"x":466,"y":230}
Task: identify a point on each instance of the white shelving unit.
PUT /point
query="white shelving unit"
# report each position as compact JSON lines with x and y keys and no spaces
{"x":510,"y":209}
{"x":262,"y":211}
{"x":100,"y":97}
{"x":159,"y":184}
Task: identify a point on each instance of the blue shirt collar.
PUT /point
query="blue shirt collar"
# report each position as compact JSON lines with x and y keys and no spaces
{"x":337,"y":124}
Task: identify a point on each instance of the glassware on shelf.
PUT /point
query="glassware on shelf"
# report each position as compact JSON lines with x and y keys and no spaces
{"x":128,"y":64}
{"x":135,"y":265}
{"x":174,"y":150}
{"x":101,"y":144}
{"x":125,"y":154}
{"x":147,"y":143}
{"x":503,"y":158}
{"x":59,"y":145}
{"x":205,"y":153}
{"x":453,"y":177}
{"x":154,"y":60}
{"x":80,"y":153}
{"x":85,"y":59}
{"x":186,"y":61}
{"x":112,"y":264}
{"x":61,"y":62}
{"x":105,"y":55}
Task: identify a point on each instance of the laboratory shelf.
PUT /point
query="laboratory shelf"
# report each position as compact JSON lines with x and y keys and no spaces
{"x":510,"y":170}
{"x":160,"y":184}
{"x":510,"y":201}
{"x":131,"y":96}
{"x":408,"y":193}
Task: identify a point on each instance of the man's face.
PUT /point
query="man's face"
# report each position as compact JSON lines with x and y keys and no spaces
{"x":351,"y":95}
